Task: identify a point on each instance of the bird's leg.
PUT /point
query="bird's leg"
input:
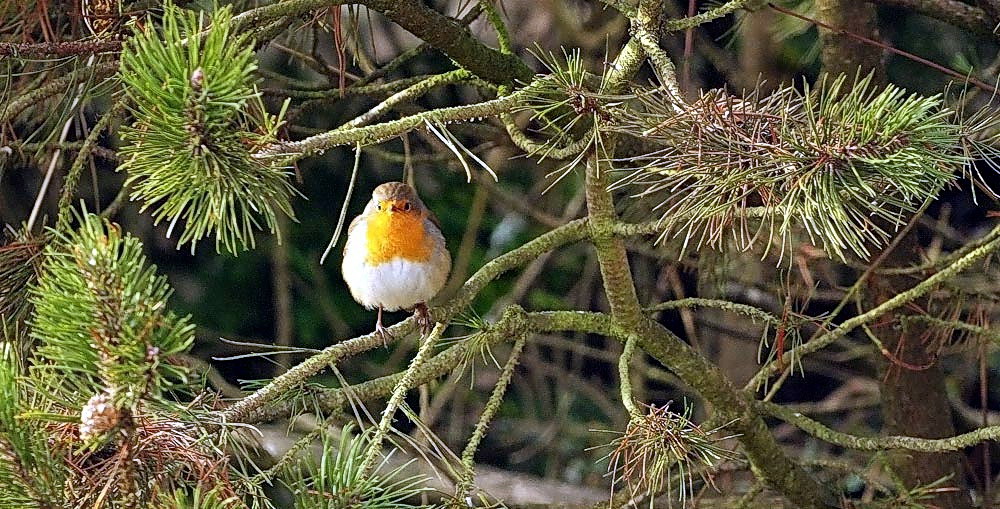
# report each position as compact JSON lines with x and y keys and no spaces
{"x":381,"y":331}
{"x":423,"y":317}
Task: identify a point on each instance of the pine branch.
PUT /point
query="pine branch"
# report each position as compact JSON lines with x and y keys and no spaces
{"x":885,"y":443}
{"x":188,"y":152}
{"x":101,"y":320}
{"x":830,"y":161}
{"x":59,"y":49}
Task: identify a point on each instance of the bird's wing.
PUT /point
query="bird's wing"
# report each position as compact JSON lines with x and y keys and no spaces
{"x":433,"y":219}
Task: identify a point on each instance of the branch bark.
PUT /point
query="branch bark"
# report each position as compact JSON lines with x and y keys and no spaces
{"x":58,"y":49}
{"x":953,"y":12}
{"x":434,"y":28}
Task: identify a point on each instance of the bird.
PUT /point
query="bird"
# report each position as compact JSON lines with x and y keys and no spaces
{"x":395,"y":256}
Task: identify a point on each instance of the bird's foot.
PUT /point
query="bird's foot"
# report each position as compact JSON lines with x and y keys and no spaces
{"x":382,"y":331}
{"x":423,"y":317}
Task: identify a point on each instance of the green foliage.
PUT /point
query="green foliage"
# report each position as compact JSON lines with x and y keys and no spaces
{"x":30,"y":476}
{"x":560,"y":102}
{"x":101,"y":320}
{"x":567,"y":110}
{"x":19,"y":262}
{"x":201,"y":499}
{"x":198,"y":119}
{"x":337,"y":480}
{"x":843,"y":163}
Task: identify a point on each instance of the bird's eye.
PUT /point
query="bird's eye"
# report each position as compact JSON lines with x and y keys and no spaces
{"x":378,"y":206}
{"x":406,"y":206}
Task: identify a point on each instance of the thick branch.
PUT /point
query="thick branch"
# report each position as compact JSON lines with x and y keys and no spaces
{"x":768,"y":460}
{"x":447,"y":35}
{"x":434,"y":28}
{"x":954,"y":12}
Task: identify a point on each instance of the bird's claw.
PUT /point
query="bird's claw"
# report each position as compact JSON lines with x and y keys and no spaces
{"x":423,"y":318}
{"x":383,"y":332}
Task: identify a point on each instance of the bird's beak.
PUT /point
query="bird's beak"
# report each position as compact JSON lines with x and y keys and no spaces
{"x":393,"y":207}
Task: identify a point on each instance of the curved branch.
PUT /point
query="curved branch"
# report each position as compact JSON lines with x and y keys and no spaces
{"x":447,"y":35}
{"x":747,"y":310}
{"x":250,"y":409}
{"x":294,"y":150}
{"x":849,"y":441}
{"x":436,"y":29}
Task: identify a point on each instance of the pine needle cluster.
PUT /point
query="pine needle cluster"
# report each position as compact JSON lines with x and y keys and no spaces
{"x":95,"y":418}
{"x":20,"y":261}
{"x":661,"y":451}
{"x":337,"y":480}
{"x":100,"y":319}
{"x":189,"y":152}
{"x":847,"y":164}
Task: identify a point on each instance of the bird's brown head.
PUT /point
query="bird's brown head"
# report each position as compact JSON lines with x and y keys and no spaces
{"x":397,"y":198}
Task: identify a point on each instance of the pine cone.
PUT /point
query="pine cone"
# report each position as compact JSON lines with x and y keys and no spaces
{"x":98,"y":417}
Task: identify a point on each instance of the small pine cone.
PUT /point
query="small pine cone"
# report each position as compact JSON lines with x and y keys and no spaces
{"x":98,"y":417}
{"x":102,"y":17}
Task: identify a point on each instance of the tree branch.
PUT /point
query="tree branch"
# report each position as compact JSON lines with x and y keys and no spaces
{"x":434,"y":28}
{"x":62,"y":84}
{"x":894,"y":303}
{"x":292,"y":151}
{"x":820,"y":431}
{"x":953,"y":12}
{"x":58,"y":49}
{"x":767,"y":459}
{"x":250,"y":409}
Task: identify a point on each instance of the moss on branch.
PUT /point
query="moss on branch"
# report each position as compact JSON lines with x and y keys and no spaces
{"x":449,"y":36}
{"x":294,"y":150}
{"x":18,"y":104}
{"x":830,"y":436}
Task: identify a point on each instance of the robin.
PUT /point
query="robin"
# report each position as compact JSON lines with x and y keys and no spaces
{"x":395,"y":257}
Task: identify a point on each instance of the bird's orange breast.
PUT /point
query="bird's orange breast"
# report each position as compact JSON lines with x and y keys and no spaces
{"x":397,"y":235}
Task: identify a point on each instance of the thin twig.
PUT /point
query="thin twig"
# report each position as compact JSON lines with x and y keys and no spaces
{"x":938,"y":67}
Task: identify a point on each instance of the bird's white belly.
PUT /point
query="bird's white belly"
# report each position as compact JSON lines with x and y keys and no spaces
{"x":396,"y":284}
